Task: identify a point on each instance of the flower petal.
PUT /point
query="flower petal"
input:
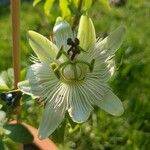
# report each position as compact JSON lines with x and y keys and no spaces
{"x":103,"y":70}
{"x":86,"y":32}
{"x":102,"y":96}
{"x":62,"y":31}
{"x":79,"y":105}
{"x":111,"y":104}
{"x":54,"y":112}
{"x":40,"y":81}
{"x":44,"y":48}
{"x":111,"y":43}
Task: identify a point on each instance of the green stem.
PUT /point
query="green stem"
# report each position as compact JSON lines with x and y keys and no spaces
{"x":78,"y":14}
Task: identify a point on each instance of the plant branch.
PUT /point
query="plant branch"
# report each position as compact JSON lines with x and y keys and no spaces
{"x":78,"y":14}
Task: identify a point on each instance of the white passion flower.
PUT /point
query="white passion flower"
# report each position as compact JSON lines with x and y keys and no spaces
{"x":72,"y":73}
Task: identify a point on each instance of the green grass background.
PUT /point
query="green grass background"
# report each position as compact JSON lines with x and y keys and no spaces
{"x":131,"y":81}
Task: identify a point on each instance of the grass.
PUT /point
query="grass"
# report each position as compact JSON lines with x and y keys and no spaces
{"x":131,"y":81}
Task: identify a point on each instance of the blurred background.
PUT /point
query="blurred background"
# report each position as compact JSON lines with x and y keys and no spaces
{"x":131,"y":81}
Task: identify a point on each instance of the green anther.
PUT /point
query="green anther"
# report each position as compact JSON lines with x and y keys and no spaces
{"x":56,"y":71}
{"x":81,"y":49}
{"x":63,"y":65}
{"x":59,"y":53}
{"x":86,"y":63}
{"x":92,"y":65}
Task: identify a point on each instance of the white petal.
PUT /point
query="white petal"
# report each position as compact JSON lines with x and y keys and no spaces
{"x":111,"y":104}
{"x":54,"y":112}
{"x":103,"y":70}
{"x":44,"y":48}
{"x":111,"y":43}
{"x":62,"y":31}
{"x":95,"y":88}
{"x":79,"y":105}
{"x":41,"y":80}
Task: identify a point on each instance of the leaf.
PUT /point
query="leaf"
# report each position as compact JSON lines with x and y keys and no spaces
{"x":2,"y":145}
{"x":19,"y":133}
{"x":47,"y":6}
{"x":3,"y":86}
{"x":36,"y":2}
{"x":63,"y":4}
{"x":6,"y":80}
{"x":2,"y":116}
{"x":23,"y":73}
{"x":59,"y":134}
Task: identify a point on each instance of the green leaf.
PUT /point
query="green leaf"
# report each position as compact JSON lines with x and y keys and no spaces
{"x":63,"y":4}
{"x":3,"y":86}
{"x":2,"y":116}
{"x":6,"y":80}
{"x":59,"y":134}
{"x":44,"y":48}
{"x":23,"y":73}
{"x":2,"y":145}
{"x":36,"y":2}
{"x":19,"y":133}
{"x":47,"y":6}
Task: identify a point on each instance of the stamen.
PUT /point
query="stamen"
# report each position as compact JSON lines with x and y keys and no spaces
{"x":61,"y":51}
{"x":74,"y":48}
{"x":56,"y":71}
{"x":92,"y":65}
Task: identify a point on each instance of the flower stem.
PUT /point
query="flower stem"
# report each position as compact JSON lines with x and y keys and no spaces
{"x":78,"y":14}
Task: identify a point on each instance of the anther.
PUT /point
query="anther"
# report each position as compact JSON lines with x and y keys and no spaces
{"x":56,"y":71}
{"x":59,"y":53}
{"x":70,"y":42}
{"x":91,"y":67}
{"x":77,"y":42}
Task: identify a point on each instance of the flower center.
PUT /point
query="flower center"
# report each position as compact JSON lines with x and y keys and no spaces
{"x":72,"y":69}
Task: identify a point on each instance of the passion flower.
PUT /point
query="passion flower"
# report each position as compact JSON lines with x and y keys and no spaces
{"x":72,"y":72}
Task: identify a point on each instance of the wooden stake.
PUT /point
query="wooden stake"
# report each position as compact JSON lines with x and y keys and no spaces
{"x":15,"y":12}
